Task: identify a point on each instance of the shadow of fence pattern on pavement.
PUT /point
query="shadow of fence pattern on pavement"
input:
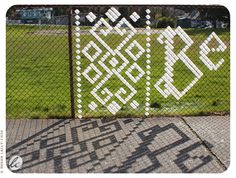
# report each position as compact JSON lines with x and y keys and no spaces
{"x":123,"y":145}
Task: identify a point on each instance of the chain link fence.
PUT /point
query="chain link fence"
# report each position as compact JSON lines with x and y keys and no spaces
{"x":117,"y":61}
{"x":37,"y":65}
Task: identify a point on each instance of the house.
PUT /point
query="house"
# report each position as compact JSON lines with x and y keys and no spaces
{"x":35,"y":15}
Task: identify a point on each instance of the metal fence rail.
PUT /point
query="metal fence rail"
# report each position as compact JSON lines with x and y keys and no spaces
{"x":117,"y":61}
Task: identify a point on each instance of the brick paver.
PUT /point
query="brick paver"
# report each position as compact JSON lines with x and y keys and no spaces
{"x":165,"y":144}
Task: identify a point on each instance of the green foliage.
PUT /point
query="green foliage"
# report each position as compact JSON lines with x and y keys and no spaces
{"x":164,"y":22}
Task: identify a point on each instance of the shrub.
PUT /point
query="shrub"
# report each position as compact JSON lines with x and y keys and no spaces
{"x":165,"y":22}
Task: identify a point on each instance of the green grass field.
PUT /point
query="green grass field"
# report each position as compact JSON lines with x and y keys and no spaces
{"x":38,"y":75}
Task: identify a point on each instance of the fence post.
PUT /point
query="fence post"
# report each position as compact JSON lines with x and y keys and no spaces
{"x":70,"y":50}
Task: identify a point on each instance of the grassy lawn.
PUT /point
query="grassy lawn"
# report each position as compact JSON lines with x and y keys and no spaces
{"x":38,"y":75}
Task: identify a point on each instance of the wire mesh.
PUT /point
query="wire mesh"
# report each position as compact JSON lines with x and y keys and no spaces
{"x":37,"y":66}
{"x":129,"y":61}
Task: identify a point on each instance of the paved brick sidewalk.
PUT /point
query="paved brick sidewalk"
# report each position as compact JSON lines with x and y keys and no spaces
{"x":164,"y":144}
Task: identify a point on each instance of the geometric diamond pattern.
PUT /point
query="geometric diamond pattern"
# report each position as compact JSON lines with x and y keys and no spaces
{"x":115,"y":145}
